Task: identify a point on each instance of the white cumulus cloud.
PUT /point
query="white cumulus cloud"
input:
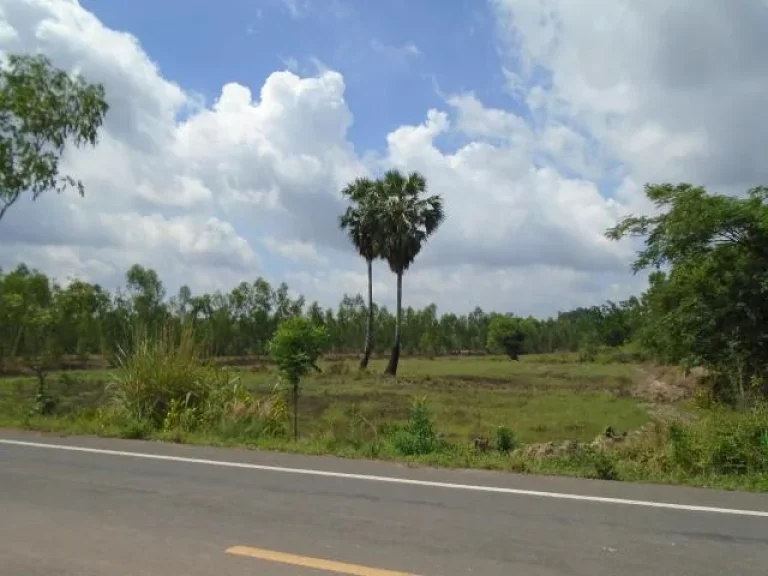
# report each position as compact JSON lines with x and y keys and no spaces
{"x":616,"y":93}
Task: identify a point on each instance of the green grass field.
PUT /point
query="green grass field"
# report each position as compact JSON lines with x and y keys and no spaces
{"x":469,"y":396}
{"x":541,"y":399}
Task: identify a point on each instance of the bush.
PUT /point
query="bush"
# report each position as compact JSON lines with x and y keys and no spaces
{"x":724,"y":442}
{"x":418,"y":437}
{"x":604,"y":464}
{"x":505,"y":440}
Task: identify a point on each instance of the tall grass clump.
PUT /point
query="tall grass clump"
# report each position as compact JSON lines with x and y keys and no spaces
{"x":165,"y":375}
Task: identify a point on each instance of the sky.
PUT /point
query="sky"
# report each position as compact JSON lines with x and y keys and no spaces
{"x":234,"y":125}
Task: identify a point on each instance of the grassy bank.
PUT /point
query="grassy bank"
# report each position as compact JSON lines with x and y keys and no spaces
{"x":536,"y":416}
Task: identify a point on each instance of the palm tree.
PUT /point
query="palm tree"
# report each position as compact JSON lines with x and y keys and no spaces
{"x":408,"y":218}
{"x":361,"y":222}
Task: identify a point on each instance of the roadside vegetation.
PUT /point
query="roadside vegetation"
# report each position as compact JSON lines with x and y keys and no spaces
{"x":669,"y":386}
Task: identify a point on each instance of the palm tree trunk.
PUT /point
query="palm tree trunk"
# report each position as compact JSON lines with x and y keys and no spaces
{"x":394,"y":358}
{"x":369,"y":324}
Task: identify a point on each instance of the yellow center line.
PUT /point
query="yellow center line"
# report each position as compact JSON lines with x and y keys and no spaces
{"x":307,"y":562}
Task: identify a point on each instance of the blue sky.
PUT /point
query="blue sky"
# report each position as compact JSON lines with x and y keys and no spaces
{"x":204,"y":44}
{"x":211,"y":196}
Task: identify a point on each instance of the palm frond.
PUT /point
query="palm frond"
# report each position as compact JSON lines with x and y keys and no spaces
{"x":407,"y":218}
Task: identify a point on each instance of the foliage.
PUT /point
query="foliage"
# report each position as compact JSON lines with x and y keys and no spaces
{"x":45,"y":402}
{"x":506,"y":333}
{"x":418,"y":436}
{"x":505,"y":440}
{"x":90,"y":320}
{"x":590,"y":346}
{"x":603,"y":462}
{"x":41,"y":110}
{"x":723,"y":442}
{"x":275,"y":414}
{"x":706,"y":305}
{"x":163,"y":373}
{"x":409,"y":217}
{"x":361,"y":220}
{"x":710,"y":305}
{"x":181,"y":417}
{"x":296,"y":348}
{"x":407,"y":220}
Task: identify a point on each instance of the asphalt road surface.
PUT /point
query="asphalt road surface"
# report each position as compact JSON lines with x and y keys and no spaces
{"x":117,"y":507}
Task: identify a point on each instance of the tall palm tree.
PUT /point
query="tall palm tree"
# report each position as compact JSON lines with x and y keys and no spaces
{"x":408,"y":218}
{"x":361,"y":222}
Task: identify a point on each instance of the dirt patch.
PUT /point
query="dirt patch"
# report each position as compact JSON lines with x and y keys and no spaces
{"x":667,"y":413}
{"x":665,"y":385}
{"x":608,"y":440}
{"x":17,"y":367}
{"x":556,"y":449}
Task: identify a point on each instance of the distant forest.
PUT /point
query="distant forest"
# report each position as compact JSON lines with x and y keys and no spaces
{"x":85,"y":318}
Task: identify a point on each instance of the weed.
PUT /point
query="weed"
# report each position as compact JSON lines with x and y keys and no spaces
{"x":274,"y":413}
{"x":181,"y":417}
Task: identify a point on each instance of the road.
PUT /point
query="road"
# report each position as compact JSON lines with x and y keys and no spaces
{"x":119,"y":507}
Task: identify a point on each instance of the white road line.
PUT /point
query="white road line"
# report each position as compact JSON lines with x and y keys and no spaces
{"x":389,"y":479}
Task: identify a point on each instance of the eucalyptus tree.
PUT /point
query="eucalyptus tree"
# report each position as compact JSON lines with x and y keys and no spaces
{"x":408,"y":218}
{"x":361,"y":220}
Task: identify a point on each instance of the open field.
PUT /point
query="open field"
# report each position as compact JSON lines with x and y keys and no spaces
{"x":468,"y":396}
{"x":556,"y":408}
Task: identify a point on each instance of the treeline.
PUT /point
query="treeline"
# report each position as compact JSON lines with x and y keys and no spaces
{"x":38,"y":315}
{"x":706,"y":305}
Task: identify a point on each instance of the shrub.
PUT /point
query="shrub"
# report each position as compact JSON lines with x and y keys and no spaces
{"x":604,"y":464}
{"x":418,"y":437}
{"x":505,"y":440}
{"x":724,"y":442}
{"x":734,"y":442}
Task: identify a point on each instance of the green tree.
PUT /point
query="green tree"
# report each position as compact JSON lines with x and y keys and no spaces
{"x":296,"y":348}
{"x":147,"y":296}
{"x":710,"y":305}
{"x":506,"y":333}
{"x":41,"y":110}
{"x":43,"y":351}
{"x":361,"y":222}
{"x":408,"y":219}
